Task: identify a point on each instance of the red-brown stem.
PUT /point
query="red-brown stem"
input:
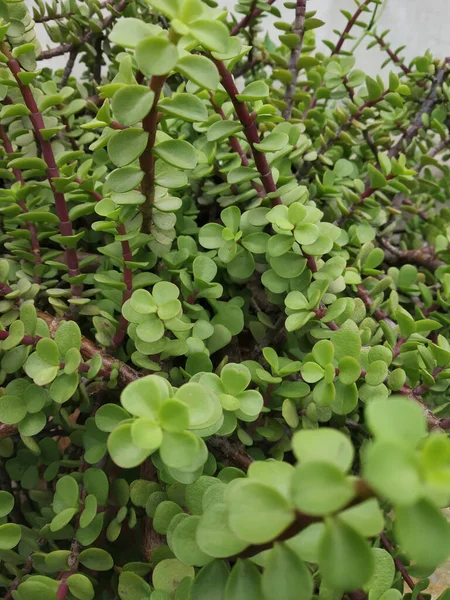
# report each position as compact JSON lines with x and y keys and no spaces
{"x":128,"y":281}
{"x":250,"y":132}
{"x":93,"y":193}
{"x":370,"y":190}
{"x":35,"y":247}
{"x":348,"y":27}
{"x":116,"y":125}
{"x":399,"y":565}
{"x":59,"y":50}
{"x":147,"y":160}
{"x":252,"y":14}
{"x":394,"y":57}
{"x":378,"y":313}
{"x":236,"y":146}
{"x":298,"y":29}
{"x":65,"y":225}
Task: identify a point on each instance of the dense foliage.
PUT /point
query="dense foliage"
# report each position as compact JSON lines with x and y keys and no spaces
{"x":224,"y":321}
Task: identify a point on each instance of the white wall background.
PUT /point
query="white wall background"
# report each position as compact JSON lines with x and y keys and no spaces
{"x":417,"y":24}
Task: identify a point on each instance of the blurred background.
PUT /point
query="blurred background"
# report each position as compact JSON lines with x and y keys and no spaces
{"x":418,"y":24}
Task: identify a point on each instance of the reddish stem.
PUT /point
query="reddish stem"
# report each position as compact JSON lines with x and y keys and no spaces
{"x":348,"y":27}
{"x":147,"y":160}
{"x":252,"y":14}
{"x":399,"y":565}
{"x":394,"y":57}
{"x":236,"y":146}
{"x":250,"y":132}
{"x":65,"y":225}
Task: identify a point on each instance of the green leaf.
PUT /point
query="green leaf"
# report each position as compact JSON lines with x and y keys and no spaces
{"x":144,"y":396}
{"x":48,"y":351}
{"x":200,"y":70}
{"x":396,"y":419}
{"x":6,"y":503}
{"x":423,"y":532}
{"x":156,"y":56}
{"x":122,"y":449}
{"x":257,"y":90}
{"x":126,"y":146}
{"x":212,"y":35}
{"x":244,"y":582}
{"x":214,"y":536}
{"x":210,"y":582}
{"x":286,"y":576}
{"x":366,"y":517}
{"x":320,"y":488}
{"x":10,"y":535}
{"x":96,"y":559}
{"x":273,"y":142}
{"x":257,"y":512}
{"x":68,"y":336}
{"x":81,"y":587}
{"x":377,"y":179}
{"x":64,"y":387}
{"x":124,"y":179}
{"x":184,"y":543}
{"x":130,"y":104}
{"x":181,"y":450}
{"x":373,"y":88}
{"x":392,"y":469}
{"x":184,"y":106}
{"x":62,"y":519}
{"x":383,"y":576}
{"x":346,"y":343}
{"x":349,"y":370}
{"x":28,"y":163}
{"x":146,"y":434}
{"x":129,"y":32}
{"x":109,"y":416}
{"x":67,"y":493}
{"x":169,"y":572}
{"x":178,"y":153}
{"x":345,"y":558}
{"x":89,"y":511}
{"x":311,"y":372}
{"x":12,"y":409}
{"x":325,"y":445}
{"x":221,"y":130}
{"x":132,"y":587}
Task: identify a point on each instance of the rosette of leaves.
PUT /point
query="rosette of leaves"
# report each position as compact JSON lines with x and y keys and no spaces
{"x":237,"y":401}
{"x":155,"y":417}
{"x":233,"y":249}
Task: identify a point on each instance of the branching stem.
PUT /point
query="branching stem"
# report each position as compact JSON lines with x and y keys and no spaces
{"x":37,"y":121}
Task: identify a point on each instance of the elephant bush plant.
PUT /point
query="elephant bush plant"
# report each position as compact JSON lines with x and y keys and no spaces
{"x":224,"y":313}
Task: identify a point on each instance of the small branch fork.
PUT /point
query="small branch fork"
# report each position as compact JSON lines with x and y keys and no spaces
{"x":250,"y":132}
{"x":252,"y":14}
{"x":236,"y":146}
{"x":349,"y":26}
{"x":65,"y":225}
{"x":298,"y":29}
